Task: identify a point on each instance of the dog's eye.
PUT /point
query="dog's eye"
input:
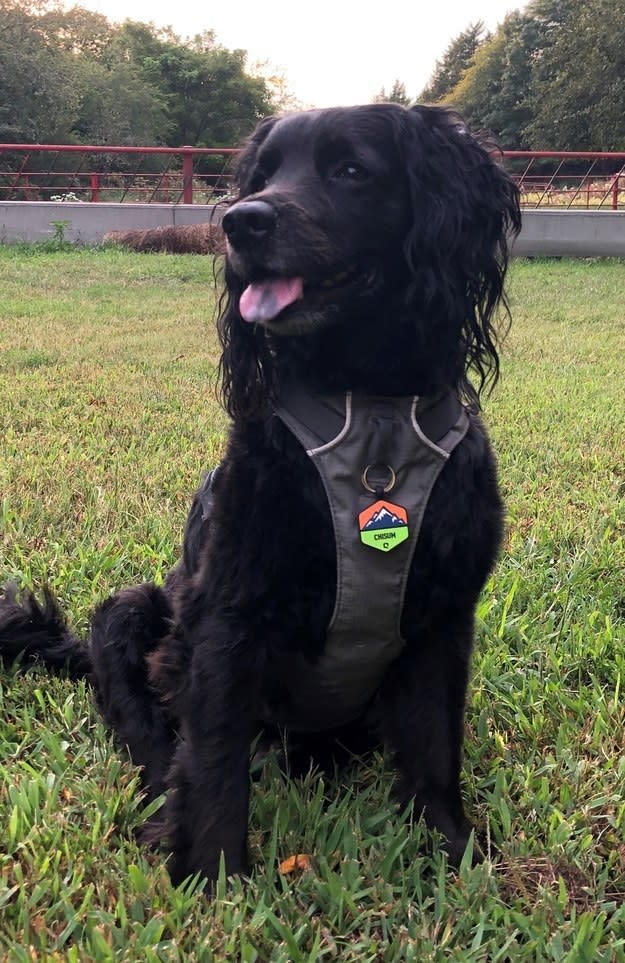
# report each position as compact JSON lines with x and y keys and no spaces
{"x":350,"y":171}
{"x":258,"y":182}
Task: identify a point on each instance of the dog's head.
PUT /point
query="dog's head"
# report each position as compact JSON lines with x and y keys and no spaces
{"x":353,"y":217}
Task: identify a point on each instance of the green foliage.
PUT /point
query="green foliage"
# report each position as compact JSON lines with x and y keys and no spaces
{"x":38,"y":92}
{"x":119,"y":106}
{"x":396,"y":95}
{"x":211,"y":100}
{"x":58,"y":241}
{"x":550,"y":77}
{"x":107,"y":367}
{"x":578,"y":83}
{"x":456,"y":60}
{"x":493,"y":92}
{"x":70,"y":75}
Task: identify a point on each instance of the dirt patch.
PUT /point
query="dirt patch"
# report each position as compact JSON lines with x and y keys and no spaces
{"x":526,"y":877}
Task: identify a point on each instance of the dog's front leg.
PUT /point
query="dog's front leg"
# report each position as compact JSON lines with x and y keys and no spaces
{"x":422,"y":706}
{"x":208,"y":804}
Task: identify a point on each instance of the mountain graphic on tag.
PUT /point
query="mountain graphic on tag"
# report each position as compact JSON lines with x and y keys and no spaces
{"x":383,"y":525}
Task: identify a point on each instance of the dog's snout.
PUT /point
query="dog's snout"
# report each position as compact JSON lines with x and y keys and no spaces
{"x":249,"y":221}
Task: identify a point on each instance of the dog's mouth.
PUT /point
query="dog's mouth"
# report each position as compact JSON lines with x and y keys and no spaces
{"x":264,"y":301}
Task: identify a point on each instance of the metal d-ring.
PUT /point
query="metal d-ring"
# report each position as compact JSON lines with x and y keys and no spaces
{"x":385,"y":488}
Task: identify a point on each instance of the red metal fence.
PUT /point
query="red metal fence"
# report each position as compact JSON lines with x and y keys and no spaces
{"x":170,"y":175}
{"x":571,"y":179}
{"x":42,"y":172}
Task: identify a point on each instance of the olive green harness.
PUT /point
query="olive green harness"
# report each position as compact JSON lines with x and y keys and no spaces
{"x":378,"y":458}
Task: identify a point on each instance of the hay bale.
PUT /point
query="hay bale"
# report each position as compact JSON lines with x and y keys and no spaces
{"x":182,"y":239}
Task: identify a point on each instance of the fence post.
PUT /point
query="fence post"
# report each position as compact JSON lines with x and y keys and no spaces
{"x":615,"y":189}
{"x":187,"y":175}
{"x":95,"y":187}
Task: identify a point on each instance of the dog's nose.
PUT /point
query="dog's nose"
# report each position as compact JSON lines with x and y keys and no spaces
{"x":249,"y":221}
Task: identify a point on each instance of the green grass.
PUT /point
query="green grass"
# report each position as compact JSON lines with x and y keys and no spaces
{"x":108,"y":415}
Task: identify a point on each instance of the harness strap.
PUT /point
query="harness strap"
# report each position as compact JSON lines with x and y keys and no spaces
{"x":343,"y":435}
{"x":323,"y":416}
{"x":406,"y":442}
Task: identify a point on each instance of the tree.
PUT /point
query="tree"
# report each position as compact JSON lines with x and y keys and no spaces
{"x":397,"y":95}
{"x":493,"y":93}
{"x":119,"y":107}
{"x":38,"y":94}
{"x":77,"y":31}
{"x":577,"y":90}
{"x":282,"y":100}
{"x":456,"y":60}
{"x":551,"y":77}
{"x":210,"y":100}
{"x":68,"y":75}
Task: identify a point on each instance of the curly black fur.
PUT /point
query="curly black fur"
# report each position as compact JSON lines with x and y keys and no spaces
{"x":397,"y":221}
{"x":31,"y":632}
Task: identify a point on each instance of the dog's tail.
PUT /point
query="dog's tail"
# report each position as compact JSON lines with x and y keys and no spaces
{"x":37,"y":633}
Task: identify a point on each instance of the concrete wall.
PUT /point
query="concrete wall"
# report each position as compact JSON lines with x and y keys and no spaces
{"x":88,"y":223}
{"x":571,"y":234}
{"x":545,"y":232}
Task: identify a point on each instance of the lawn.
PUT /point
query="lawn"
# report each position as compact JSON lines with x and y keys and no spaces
{"x":107,"y":417}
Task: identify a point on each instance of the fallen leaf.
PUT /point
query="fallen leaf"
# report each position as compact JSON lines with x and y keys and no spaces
{"x":295,"y":864}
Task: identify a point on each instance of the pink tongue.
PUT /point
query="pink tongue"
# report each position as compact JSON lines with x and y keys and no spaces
{"x":264,"y":300}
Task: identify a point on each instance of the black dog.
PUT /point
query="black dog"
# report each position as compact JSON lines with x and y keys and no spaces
{"x":367,"y":251}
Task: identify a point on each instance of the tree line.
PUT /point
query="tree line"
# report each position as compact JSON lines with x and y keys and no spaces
{"x":72,"y":76}
{"x":550,"y":77}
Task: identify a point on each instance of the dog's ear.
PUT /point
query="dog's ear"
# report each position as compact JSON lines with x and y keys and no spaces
{"x":465,"y":210}
{"x":246,"y":370}
{"x":246,"y":160}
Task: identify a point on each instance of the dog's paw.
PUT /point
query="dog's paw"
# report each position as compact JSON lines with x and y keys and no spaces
{"x":460,"y":845}
{"x":181,"y":870}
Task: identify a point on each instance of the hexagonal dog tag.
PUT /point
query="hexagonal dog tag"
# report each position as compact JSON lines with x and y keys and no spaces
{"x":383,"y":525}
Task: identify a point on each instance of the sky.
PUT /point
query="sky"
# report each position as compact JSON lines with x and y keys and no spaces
{"x":331,"y":52}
